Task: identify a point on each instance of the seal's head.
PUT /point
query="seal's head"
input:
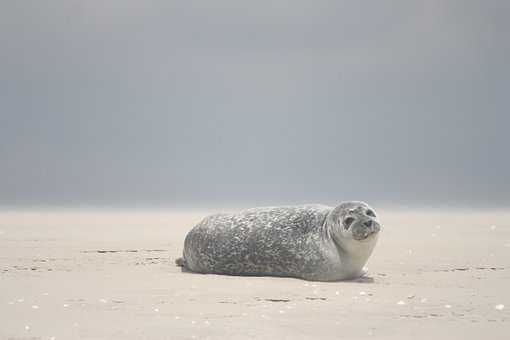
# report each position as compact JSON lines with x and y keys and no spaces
{"x":355,"y":221}
{"x":354,"y":228}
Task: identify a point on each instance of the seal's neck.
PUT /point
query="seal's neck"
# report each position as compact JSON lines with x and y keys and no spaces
{"x":356,"y":252}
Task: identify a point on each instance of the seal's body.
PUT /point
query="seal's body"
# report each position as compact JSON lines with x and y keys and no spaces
{"x":312,"y":242}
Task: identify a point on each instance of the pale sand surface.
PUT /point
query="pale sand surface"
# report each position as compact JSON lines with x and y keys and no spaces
{"x":449,"y":269}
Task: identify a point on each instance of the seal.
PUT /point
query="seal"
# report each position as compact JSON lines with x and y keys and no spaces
{"x":311,"y":242}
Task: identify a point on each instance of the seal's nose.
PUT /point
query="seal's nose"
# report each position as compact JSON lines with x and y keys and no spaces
{"x":368,"y":223}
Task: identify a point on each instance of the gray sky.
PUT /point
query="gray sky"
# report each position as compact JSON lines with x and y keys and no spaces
{"x":260,"y":102}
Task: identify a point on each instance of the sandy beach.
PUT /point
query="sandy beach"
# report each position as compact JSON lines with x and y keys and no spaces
{"x":110,"y":274}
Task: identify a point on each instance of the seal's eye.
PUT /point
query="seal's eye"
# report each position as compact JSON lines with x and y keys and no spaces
{"x":370,"y":213}
{"x":347,"y":222}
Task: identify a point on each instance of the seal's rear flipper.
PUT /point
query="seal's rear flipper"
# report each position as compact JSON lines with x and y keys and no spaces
{"x":181,"y":262}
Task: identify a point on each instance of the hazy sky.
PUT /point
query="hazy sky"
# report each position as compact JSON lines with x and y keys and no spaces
{"x":259,"y":102}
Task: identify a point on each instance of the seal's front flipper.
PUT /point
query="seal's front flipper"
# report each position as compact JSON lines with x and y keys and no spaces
{"x":364,"y":272}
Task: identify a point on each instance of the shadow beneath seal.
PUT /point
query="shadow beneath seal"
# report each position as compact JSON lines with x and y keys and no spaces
{"x":363,"y":279}
{"x":180,"y":263}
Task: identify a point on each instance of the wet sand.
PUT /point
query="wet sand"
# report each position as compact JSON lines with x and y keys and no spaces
{"x":110,"y":274}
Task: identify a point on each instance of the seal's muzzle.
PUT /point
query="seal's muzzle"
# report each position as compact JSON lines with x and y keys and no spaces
{"x":363,"y":229}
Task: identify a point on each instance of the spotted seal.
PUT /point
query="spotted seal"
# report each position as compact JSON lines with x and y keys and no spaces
{"x":311,"y":242}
